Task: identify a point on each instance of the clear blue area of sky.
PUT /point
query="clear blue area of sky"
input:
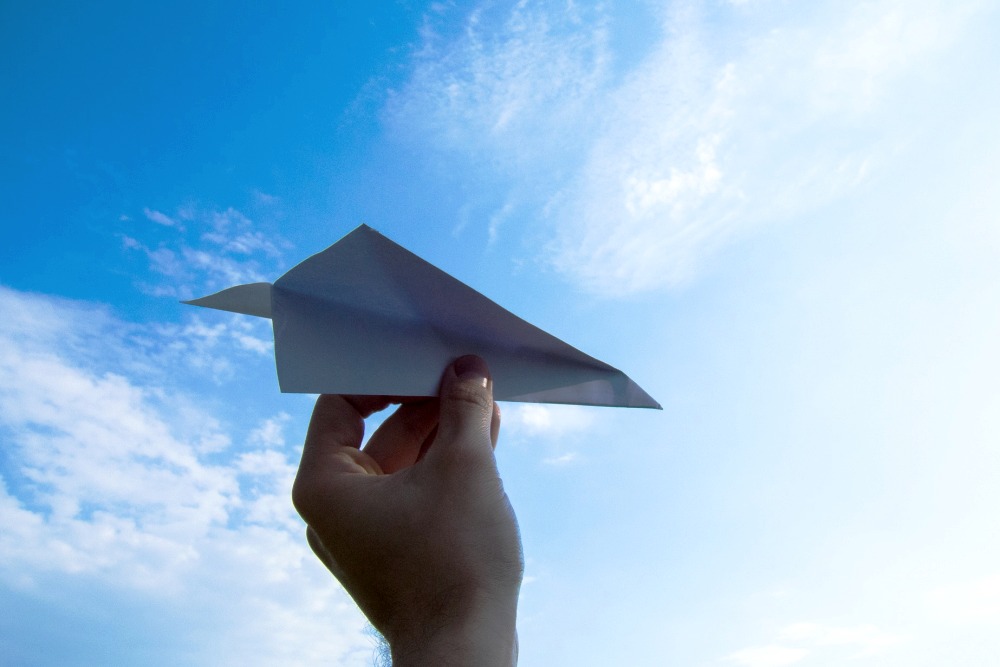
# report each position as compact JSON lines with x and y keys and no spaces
{"x":781,"y":220}
{"x":150,"y":105}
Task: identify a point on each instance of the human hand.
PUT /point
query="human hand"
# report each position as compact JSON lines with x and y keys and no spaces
{"x":417,"y":526}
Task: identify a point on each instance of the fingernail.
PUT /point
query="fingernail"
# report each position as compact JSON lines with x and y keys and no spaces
{"x":471,"y":367}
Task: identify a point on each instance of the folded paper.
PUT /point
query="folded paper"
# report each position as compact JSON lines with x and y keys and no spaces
{"x":367,"y":316}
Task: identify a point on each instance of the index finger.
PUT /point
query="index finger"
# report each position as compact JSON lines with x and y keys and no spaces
{"x":340,"y":420}
{"x":332,"y":441}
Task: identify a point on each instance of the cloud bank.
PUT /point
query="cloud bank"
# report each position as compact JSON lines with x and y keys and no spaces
{"x":115,"y":480}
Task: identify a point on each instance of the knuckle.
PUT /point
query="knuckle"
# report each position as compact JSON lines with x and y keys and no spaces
{"x":304,"y":498}
{"x":469,"y":393}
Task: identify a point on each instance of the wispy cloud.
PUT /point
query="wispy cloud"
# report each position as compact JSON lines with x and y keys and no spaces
{"x":152,"y":351}
{"x":866,"y":639}
{"x":800,"y":641}
{"x":127,"y":485}
{"x":642,"y":172}
{"x":215,"y":350}
{"x":265,"y":199}
{"x":551,"y":421}
{"x":551,"y":426}
{"x":271,"y":432}
{"x":159,"y":218}
{"x":976,"y":601}
{"x":561,"y":459}
{"x":504,"y":82}
{"x":771,"y":655}
{"x":214,"y":250}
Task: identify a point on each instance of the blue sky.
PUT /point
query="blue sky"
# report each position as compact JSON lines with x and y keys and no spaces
{"x":780,"y":218}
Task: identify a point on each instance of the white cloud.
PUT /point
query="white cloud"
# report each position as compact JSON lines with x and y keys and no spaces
{"x":550,"y":421}
{"x":264,"y":198}
{"x":554,"y":426}
{"x":706,"y":150}
{"x":252,"y":343}
{"x":215,"y":346}
{"x":976,"y":601}
{"x":643,"y":172}
{"x":497,"y":220}
{"x":767,"y":656}
{"x":815,"y":640}
{"x":124,"y":485}
{"x":867,"y":638}
{"x":509,"y":92}
{"x":270,"y":433}
{"x":562,"y":459}
{"x":223,"y":249}
{"x":217,"y":350}
{"x":233,"y":232}
{"x":158,"y":217}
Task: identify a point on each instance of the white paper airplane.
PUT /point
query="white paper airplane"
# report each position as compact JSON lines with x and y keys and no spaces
{"x":367,"y":316}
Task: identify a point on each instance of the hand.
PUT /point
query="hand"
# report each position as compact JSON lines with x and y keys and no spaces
{"x":417,"y":526}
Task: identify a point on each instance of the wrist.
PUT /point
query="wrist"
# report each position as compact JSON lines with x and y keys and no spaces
{"x":482,"y":634}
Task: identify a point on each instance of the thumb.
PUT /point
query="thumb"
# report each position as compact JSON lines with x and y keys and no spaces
{"x":466,"y":411}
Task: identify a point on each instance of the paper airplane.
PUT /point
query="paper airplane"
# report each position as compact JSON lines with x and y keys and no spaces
{"x":367,"y":316}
